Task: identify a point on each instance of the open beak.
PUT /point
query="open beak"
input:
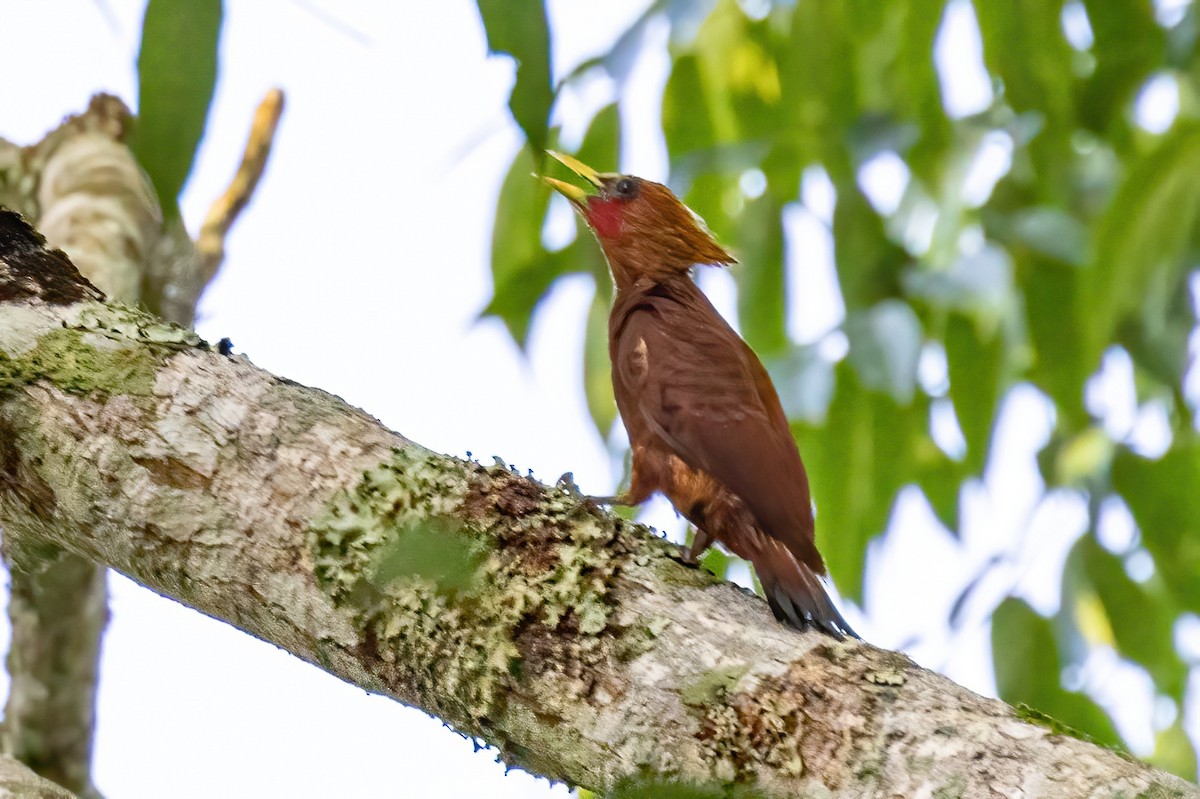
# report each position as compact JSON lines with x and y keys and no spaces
{"x":578,"y":196}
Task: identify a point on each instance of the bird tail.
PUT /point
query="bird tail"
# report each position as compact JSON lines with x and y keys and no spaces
{"x":796,"y":594}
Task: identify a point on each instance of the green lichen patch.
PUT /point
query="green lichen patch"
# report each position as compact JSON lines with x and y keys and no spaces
{"x":436,"y":550}
{"x":712,"y":685}
{"x":1159,"y":791}
{"x":1056,"y":727}
{"x":123,"y":322}
{"x":467,"y":579}
{"x":953,"y":788}
{"x":63,"y":358}
{"x":741,"y":731}
{"x":658,"y":788}
{"x":123,"y":360}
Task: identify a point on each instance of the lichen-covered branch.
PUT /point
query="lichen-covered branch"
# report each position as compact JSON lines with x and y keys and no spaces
{"x":566,"y":637}
{"x":17,"y":781}
{"x":91,"y":199}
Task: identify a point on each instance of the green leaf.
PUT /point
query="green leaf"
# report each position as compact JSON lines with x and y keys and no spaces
{"x":820,"y":85}
{"x":1128,"y":44}
{"x":896,"y":77}
{"x":1024,"y":45}
{"x":1146,"y":229}
{"x":804,"y":381}
{"x":1158,"y":338}
{"x":686,"y":118}
{"x":436,"y":550}
{"x":177,"y":70}
{"x":885,"y":345}
{"x":1163,"y":498}
{"x":975,"y":361}
{"x":1056,"y":320}
{"x":522,"y":270}
{"x":869,"y":264}
{"x":519,"y":28}
{"x":857,"y":461}
{"x":940,"y":480}
{"x":597,"y":370}
{"x":739,"y":73}
{"x":1174,"y":751}
{"x":601,"y":145}
{"x":1029,"y":672}
{"x":1051,"y":231}
{"x":762,"y":292}
{"x":1141,"y":617}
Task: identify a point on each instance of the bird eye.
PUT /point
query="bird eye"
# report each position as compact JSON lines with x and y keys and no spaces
{"x":626,"y":187}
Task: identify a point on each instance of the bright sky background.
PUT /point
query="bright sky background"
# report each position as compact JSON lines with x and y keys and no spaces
{"x":361,"y":267}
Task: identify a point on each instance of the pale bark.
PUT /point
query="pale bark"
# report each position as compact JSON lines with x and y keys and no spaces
{"x":566,"y":637}
{"x":18,"y":781}
{"x":90,"y":197}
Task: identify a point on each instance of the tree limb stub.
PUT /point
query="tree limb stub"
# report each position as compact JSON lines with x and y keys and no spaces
{"x":567,"y":638}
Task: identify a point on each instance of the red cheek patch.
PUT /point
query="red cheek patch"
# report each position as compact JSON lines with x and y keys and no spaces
{"x":605,"y":217}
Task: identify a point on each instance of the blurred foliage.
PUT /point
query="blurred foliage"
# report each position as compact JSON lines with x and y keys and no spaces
{"x":177,"y":70}
{"x":521,"y":30}
{"x":1084,"y":248}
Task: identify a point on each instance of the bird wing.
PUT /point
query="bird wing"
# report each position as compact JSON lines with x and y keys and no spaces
{"x":700,"y":388}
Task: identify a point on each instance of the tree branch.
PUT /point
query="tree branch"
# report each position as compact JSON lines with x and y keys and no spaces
{"x":567,"y":638}
{"x":19,"y":782}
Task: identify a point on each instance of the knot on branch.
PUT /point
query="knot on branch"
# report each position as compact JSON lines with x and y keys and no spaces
{"x":32,"y":270}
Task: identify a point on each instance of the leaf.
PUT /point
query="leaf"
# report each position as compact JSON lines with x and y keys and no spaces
{"x":940,"y":480}
{"x":819,"y":85}
{"x":1056,"y":319}
{"x":1029,"y":672}
{"x":597,"y":370}
{"x":804,"y":381}
{"x":897,"y":80}
{"x":1140,"y":616}
{"x":686,"y":119}
{"x":519,"y":28}
{"x":522,"y":270}
{"x":435,"y":550}
{"x":1158,"y":338}
{"x":979,"y":284}
{"x":975,"y":361}
{"x":177,"y":70}
{"x":869,"y":264}
{"x":601,"y":145}
{"x":1146,"y":229}
{"x":1164,"y":501}
{"x":1051,"y":231}
{"x":1128,"y":44}
{"x":762,"y":292}
{"x":1024,"y":45}
{"x":857,"y":461}
{"x":1174,"y":751}
{"x":885,"y":345}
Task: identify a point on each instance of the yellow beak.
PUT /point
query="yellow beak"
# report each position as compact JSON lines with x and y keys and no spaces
{"x":574,"y":193}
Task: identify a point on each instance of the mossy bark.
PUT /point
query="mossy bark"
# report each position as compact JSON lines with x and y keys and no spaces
{"x":516,"y":612}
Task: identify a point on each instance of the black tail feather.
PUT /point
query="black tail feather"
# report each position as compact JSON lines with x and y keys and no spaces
{"x":798,"y":599}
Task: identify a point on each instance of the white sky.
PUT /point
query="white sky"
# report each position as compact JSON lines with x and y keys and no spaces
{"x":360,"y":268}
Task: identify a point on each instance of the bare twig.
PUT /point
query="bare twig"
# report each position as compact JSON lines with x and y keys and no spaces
{"x":225,"y":210}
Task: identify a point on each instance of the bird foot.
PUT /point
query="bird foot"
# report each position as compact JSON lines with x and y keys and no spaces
{"x":686,"y":557}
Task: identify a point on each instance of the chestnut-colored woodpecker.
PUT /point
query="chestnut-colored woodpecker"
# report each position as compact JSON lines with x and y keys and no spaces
{"x":704,"y":421}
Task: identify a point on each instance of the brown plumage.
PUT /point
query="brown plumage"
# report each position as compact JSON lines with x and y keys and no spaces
{"x":704,"y":421}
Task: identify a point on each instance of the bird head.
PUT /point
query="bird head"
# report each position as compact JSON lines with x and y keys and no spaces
{"x":644,"y":229}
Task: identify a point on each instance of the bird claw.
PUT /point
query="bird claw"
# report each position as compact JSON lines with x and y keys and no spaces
{"x":567,"y":483}
{"x":685,"y":557}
